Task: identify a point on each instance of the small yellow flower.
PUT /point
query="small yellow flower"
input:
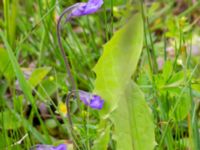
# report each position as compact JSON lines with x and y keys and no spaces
{"x":62,"y":108}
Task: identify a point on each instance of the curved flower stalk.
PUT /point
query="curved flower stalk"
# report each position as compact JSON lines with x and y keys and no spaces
{"x":49,"y":147}
{"x":77,"y":10}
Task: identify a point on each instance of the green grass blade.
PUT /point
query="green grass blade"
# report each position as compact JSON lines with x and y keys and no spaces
{"x":23,"y":83}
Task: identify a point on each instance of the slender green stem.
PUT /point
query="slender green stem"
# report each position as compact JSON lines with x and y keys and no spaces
{"x":155,"y":65}
{"x":67,"y":65}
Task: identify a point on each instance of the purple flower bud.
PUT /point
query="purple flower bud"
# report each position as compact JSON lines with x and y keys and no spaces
{"x":86,"y":8}
{"x":94,"y":101}
{"x":49,"y":147}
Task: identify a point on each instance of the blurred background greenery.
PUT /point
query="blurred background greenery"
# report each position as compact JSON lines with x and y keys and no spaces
{"x":33,"y":79}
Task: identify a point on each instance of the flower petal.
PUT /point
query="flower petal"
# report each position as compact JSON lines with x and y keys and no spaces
{"x":86,"y":8}
{"x":96,"y":102}
{"x":93,"y":101}
{"x":49,"y":147}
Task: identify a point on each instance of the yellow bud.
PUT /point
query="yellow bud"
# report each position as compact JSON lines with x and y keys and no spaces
{"x":84,"y":113}
{"x":182,"y":21}
{"x":51,"y":78}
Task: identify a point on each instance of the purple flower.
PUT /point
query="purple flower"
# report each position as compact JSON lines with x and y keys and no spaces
{"x":49,"y":147}
{"x":94,"y":101}
{"x":86,"y":8}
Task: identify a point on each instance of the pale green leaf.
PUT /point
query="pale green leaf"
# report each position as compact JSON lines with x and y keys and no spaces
{"x":103,"y":137}
{"x":128,"y":111}
{"x":182,"y":109}
{"x":134,"y":128}
{"x":9,"y":121}
{"x":118,"y":62}
{"x":5,"y":65}
{"x":38,"y":75}
{"x":167,"y":70}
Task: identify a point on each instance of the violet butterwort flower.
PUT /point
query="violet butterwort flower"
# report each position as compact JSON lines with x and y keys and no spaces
{"x":49,"y":147}
{"x":94,"y":101}
{"x":82,"y":9}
